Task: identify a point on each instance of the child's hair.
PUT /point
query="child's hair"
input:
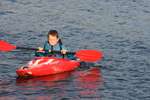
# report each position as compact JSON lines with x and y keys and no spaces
{"x":53,"y":33}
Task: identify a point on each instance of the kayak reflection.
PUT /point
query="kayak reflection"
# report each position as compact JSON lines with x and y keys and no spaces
{"x":80,"y":84}
{"x":50,"y":80}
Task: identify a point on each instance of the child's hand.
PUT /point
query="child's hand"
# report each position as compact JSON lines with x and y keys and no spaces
{"x":40,"y":49}
{"x":63,"y":51}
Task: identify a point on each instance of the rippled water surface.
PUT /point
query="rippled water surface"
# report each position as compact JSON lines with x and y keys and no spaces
{"x":119,"y":28}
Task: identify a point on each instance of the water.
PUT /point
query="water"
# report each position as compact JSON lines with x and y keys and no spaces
{"x":119,"y":28}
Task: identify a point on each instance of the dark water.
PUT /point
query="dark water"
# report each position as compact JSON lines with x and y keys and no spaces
{"x":119,"y":28}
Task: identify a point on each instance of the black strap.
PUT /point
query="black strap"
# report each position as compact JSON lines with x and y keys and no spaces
{"x":52,"y":49}
{"x":60,"y":45}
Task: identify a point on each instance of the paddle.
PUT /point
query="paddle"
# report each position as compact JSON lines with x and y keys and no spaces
{"x":83,"y":55}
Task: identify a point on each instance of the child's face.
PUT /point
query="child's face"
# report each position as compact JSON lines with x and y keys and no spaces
{"x":53,"y":40}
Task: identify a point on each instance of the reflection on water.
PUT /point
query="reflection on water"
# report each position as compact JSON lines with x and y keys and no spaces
{"x":89,"y":83}
{"x":48,"y":81}
{"x":86,"y":85}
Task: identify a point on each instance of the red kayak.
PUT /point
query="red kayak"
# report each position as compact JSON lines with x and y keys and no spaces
{"x":41,"y":66}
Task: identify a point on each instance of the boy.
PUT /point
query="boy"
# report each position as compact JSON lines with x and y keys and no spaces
{"x":53,"y":43}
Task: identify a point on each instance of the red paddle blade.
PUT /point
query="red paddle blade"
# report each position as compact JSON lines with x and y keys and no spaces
{"x":89,"y":55}
{"x":5,"y":46}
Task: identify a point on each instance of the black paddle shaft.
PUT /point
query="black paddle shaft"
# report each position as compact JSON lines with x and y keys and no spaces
{"x":27,"y":48}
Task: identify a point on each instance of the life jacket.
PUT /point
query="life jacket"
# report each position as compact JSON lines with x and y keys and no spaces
{"x":46,"y":53}
{"x":60,"y":45}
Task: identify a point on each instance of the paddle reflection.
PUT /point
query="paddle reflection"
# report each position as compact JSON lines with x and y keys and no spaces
{"x":89,"y":82}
